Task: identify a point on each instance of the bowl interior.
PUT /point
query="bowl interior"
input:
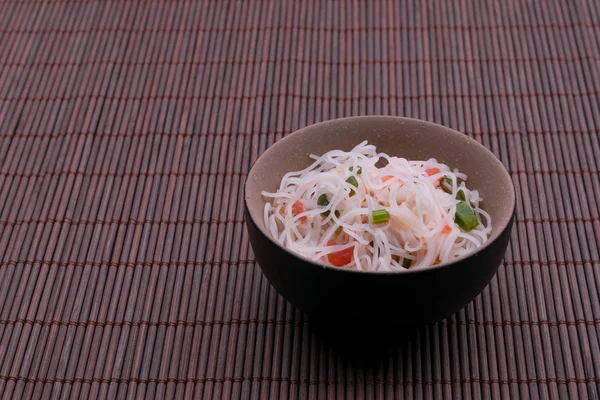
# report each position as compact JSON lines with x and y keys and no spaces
{"x":402,"y":137}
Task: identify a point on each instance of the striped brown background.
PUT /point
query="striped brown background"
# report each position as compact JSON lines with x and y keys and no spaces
{"x":127,"y":129}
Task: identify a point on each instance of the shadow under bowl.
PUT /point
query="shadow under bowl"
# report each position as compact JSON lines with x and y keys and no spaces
{"x":415,"y":297}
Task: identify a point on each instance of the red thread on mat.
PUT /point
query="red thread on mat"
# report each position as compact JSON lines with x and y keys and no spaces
{"x":52,"y":135}
{"x":178,"y":174}
{"x":289,"y":322}
{"x":137,"y":324}
{"x":93,"y":1}
{"x":557,"y":220}
{"x":298,"y":96}
{"x":537,"y":133}
{"x":516,"y":324}
{"x":304,"y":381}
{"x":555,"y":172}
{"x":128,"y":264}
{"x":357,"y":29}
{"x":297,"y":60}
{"x":69,"y":221}
{"x":191,"y":263}
{"x":551,"y":262}
{"x":56,"y":135}
{"x":213,"y":221}
{"x":88,"y":174}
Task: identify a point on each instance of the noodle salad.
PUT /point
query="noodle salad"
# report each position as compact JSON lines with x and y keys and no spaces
{"x":345,"y":211}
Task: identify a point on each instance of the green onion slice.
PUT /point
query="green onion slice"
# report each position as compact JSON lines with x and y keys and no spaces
{"x":380,"y":216}
{"x":358,"y":170}
{"x":446,"y":185}
{"x":322,"y":200}
{"x":465,"y":216}
{"x":352,"y":180}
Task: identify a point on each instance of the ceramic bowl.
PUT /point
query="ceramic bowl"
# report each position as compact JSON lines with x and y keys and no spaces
{"x":413,"y":297}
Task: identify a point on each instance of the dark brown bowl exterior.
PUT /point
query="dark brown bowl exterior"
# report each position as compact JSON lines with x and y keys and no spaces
{"x":413,"y":297}
{"x":416,"y":298}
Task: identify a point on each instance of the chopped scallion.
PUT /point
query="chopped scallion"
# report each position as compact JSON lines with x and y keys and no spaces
{"x":352,"y":180}
{"x":380,"y":216}
{"x":446,"y":185}
{"x":326,"y":213}
{"x":358,"y":170}
{"x":465,"y":217}
{"x":339,"y":230}
{"x":322,"y":200}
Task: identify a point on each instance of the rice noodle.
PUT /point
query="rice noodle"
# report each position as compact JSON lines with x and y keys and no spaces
{"x":421,"y":230}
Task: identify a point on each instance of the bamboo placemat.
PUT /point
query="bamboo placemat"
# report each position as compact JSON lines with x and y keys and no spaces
{"x":127,"y":129}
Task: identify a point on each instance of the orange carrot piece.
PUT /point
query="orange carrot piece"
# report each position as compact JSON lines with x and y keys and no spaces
{"x":342,"y":257}
{"x":432,"y":171}
{"x":298,"y":208}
